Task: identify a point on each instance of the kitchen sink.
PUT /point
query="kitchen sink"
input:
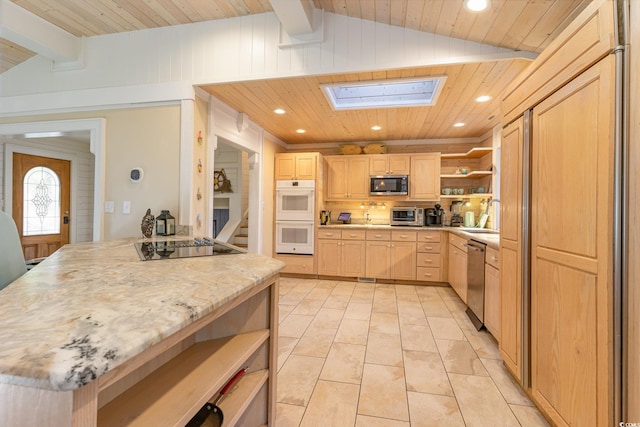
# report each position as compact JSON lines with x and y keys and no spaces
{"x":479,"y":230}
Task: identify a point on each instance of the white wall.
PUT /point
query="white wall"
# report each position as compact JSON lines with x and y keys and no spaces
{"x":243,"y":48}
{"x":148,"y":138}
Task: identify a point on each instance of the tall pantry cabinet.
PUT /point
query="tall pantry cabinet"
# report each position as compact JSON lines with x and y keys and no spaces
{"x":559,"y":271}
{"x":511,"y":239}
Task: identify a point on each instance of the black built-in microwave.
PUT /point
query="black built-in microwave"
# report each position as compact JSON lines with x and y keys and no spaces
{"x":389,"y":185}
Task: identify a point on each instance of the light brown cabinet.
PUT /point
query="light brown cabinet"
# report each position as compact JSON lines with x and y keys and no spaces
{"x":424,"y":183}
{"x":492,"y":293}
{"x":569,"y":95}
{"x":297,"y":264}
{"x":389,"y":164}
{"x":347,"y":177}
{"x":430,"y":256}
{"x":341,"y":253}
{"x":571,"y":298}
{"x":391,"y":255}
{"x":403,"y":255}
{"x":295,"y":166}
{"x":510,"y":269}
{"x":458,"y":265}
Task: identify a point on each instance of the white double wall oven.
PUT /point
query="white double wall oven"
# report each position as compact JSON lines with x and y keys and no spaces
{"x":295,"y":216}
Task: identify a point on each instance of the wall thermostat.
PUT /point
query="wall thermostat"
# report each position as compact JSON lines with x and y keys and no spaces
{"x":136,"y":175}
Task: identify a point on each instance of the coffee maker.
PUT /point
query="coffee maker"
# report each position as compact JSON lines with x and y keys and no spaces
{"x":434,"y":217}
{"x":456,"y":213}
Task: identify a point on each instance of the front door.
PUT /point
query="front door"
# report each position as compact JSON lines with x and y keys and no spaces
{"x":41,"y":203}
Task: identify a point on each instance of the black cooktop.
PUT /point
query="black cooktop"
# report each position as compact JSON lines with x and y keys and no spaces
{"x":171,"y":249}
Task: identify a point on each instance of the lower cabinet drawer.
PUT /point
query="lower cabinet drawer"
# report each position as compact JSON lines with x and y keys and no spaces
{"x":428,"y":260}
{"x":428,"y":274}
{"x":429,"y":247}
{"x":458,"y":241}
{"x":378,"y":235}
{"x":297,"y":264}
{"x":331,"y":233}
{"x":353,"y":234}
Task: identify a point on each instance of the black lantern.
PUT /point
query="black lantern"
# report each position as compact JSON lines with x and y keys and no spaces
{"x":165,"y":224}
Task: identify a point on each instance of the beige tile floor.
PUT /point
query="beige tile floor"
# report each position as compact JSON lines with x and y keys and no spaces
{"x":362,"y":354}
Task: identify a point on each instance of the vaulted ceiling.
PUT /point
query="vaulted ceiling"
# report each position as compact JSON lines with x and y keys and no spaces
{"x":524,"y":25}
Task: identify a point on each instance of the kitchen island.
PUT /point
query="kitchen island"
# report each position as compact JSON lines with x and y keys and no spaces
{"x":94,"y":336}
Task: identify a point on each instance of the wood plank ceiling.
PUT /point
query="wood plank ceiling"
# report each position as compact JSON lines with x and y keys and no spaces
{"x":528,"y":25}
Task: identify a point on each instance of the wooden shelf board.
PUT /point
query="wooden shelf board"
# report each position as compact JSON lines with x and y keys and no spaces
{"x":466,"y":196}
{"x":237,"y":401}
{"x":474,"y":153}
{"x":472,"y":174}
{"x":175,"y":392}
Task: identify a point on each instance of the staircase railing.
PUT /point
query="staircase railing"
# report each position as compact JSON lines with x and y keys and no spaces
{"x":231,"y":228}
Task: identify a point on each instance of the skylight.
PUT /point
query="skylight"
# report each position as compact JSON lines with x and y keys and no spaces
{"x":413,"y":92}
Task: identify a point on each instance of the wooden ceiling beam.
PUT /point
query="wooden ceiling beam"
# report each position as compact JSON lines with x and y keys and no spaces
{"x":34,"y":33}
{"x":296,"y":16}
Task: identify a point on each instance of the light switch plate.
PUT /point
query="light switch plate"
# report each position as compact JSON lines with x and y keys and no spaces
{"x":126,"y":207}
{"x":109,"y":207}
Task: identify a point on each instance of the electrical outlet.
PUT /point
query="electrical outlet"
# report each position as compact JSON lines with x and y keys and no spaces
{"x":126,"y":207}
{"x":109,"y":207}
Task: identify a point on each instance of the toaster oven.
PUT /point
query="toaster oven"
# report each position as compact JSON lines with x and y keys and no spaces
{"x":407,"y":216}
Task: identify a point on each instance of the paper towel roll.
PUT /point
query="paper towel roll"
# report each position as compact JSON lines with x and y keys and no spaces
{"x":469,"y":219}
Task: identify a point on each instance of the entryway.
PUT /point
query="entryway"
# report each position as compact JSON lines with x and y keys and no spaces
{"x":41,"y":203}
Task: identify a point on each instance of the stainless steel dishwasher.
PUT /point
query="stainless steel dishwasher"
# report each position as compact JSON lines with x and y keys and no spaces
{"x":475,"y":282}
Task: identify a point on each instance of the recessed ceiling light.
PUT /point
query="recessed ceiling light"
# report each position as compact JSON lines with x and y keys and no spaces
{"x":484,"y":98}
{"x":419,"y":91}
{"x":376,"y":127}
{"x":279,"y":111}
{"x":301,"y":131}
{"x":476,"y":5}
{"x":458,"y":125}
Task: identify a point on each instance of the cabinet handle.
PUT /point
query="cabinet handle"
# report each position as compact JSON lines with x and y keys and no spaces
{"x":428,"y":247}
{"x":428,"y":260}
{"x":352,"y":235}
{"x":428,"y":274}
{"x":377,"y":236}
{"x":403,"y":236}
{"x":493,"y":258}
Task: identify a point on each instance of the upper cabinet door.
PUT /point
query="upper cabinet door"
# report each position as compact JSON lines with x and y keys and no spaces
{"x":424,"y":181}
{"x":389,"y":164}
{"x":399,"y":164}
{"x":378,"y":164}
{"x":306,"y":165}
{"x":285,"y":166}
{"x":336,"y":180}
{"x":295,"y":166}
{"x":347,"y":177}
{"x":358,"y":178}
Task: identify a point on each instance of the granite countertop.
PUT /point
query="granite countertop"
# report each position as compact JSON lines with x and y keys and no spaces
{"x":490,"y":237}
{"x":90,"y":307}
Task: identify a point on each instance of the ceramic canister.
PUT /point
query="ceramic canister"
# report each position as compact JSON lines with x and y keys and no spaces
{"x":469,"y":219}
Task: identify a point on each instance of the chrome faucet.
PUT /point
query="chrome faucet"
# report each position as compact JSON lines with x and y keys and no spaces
{"x":491,"y":202}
